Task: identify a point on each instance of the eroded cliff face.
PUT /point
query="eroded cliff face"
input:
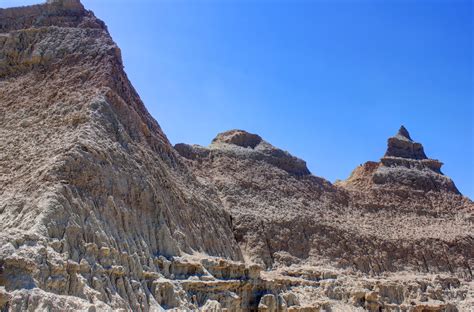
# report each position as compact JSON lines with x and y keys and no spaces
{"x":99,"y":212}
{"x":89,"y":181}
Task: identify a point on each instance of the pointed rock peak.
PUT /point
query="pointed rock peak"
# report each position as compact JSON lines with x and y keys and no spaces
{"x":238,"y":137}
{"x":402,"y":145}
{"x":403,"y":133}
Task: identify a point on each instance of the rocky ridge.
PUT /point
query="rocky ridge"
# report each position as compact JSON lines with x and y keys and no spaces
{"x":98,"y":211}
{"x":385,"y":218}
{"x":386,"y":207}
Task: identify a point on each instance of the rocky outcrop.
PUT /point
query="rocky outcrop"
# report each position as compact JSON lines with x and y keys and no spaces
{"x":405,"y":165}
{"x":239,"y":138}
{"x":246,"y":146}
{"x":99,"y":212}
{"x":92,"y":194}
{"x":381,"y":219}
{"x":64,"y":13}
{"x":401,"y":145}
{"x":385,"y":218}
{"x":255,"y":184}
{"x":406,"y":185}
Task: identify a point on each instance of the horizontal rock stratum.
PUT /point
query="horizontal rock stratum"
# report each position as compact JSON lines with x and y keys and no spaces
{"x":99,"y":212}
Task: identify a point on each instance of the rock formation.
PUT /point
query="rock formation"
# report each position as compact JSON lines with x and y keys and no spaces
{"x":98,"y":212}
{"x":89,"y":181}
{"x":385,"y":218}
{"x":401,"y":145}
{"x":271,"y":204}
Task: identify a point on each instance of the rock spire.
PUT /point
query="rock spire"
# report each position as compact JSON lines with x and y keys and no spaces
{"x":402,"y":145}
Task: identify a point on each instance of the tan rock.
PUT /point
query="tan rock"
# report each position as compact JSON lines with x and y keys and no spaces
{"x":99,"y":212}
{"x":211,"y":306}
{"x":268,"y":303}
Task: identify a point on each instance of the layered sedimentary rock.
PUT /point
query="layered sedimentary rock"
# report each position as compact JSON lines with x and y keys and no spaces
{"x":402,"y":146}
{"x":99,"y":212}
{"x":404,"y":166}
{"x":270,"y":195}
{"x":415,"y":199}
{"x":387,"y":217}
{"x":89,"y":182}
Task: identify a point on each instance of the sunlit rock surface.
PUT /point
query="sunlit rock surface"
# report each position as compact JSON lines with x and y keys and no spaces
{"x":98,"y":212}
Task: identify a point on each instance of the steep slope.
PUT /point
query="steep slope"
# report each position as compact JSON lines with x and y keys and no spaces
{"x":87,"y":176}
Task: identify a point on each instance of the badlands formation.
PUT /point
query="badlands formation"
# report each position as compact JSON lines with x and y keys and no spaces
{"x":99,"y":212}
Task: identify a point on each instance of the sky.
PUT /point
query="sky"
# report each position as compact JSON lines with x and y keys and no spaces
{"x":328,"y":81}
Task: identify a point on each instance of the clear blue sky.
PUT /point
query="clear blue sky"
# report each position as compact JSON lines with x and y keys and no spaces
{"x":329,"y":81}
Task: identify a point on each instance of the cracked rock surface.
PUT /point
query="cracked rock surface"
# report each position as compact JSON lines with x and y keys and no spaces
{"x":98,"y":212}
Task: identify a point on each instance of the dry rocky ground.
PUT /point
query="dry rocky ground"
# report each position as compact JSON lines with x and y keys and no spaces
{"x":98,"y":212}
